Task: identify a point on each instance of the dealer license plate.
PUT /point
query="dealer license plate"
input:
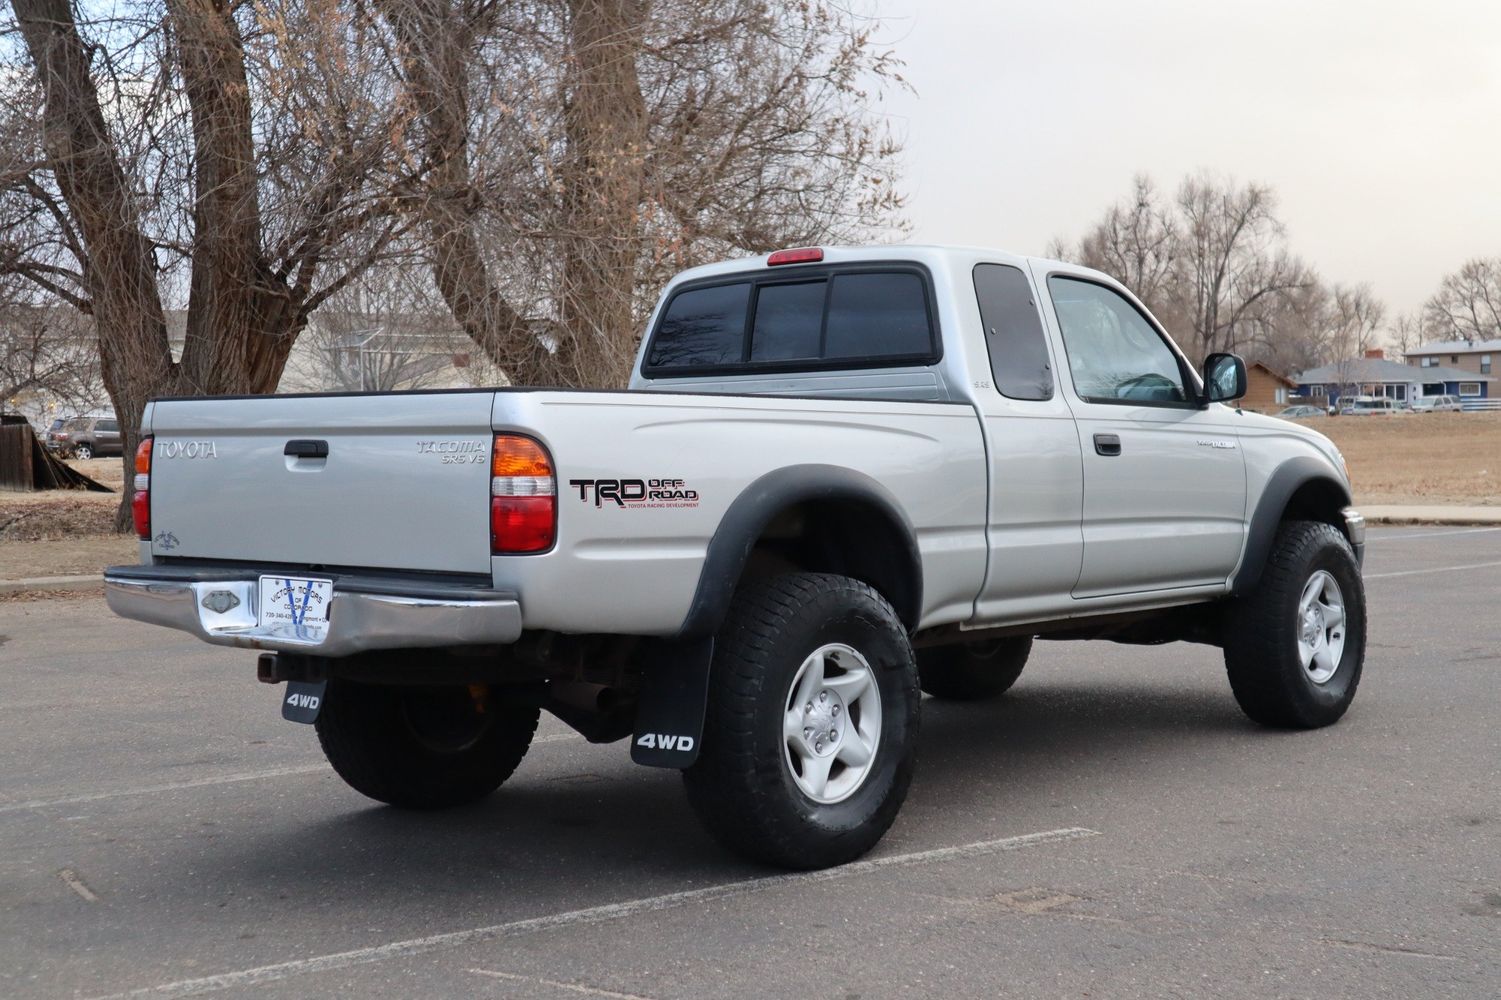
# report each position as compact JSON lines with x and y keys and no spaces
{"x":295,"y":607}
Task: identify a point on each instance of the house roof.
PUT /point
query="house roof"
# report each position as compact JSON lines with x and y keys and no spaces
{"x":1456,"y":347}
{"x":1381,"y":370}
{"x":1289,"y":382}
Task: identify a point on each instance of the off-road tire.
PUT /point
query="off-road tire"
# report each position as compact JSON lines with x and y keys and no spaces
{"x":973,"y":671}
{"x":423,"y":747}
{"x":742,"y":786}
{"x":1261,"y":632}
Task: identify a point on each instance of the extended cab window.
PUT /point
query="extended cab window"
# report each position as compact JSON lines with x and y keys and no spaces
{"x":1114,"y":354}
{"x":1013,"y":333}
{"x":838,"y":317}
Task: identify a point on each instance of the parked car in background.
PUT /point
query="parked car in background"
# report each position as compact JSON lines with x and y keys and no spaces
{"x":1437,"y":404}
{"x":1301,"y":412}
{"x":50,"y":440}
{"x":1364,"y":406}
{"x":86,"y":437}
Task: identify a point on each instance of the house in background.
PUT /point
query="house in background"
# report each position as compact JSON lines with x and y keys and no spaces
{"x":1475,"y":356}
{"x":1374,"y":375}
{"x":1267,"y":391}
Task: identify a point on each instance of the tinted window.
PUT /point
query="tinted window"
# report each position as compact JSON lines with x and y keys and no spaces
{"x":877,"y":316}
{"x":1114,"y":354}
{"x":1013,"y":333}
{"x":703,"y":326}
{"x":788,"y":319}
{"x":109,"y":425}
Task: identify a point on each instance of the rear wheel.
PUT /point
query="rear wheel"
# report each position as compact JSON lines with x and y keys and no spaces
{"x":973,"y":671}
{"x":1295,"y":646}
{"x":811,"y":729}
{"x":83,"y":452}
{"x":423,"y":747}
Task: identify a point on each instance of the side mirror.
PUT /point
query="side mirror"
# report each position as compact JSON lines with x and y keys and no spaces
{"x":1224,"y":378}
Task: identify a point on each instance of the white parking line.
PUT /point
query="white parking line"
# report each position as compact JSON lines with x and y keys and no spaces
{"x":591,"y":915}
{"x":1432,"y":569}
{"x":223,"y":779}
{"x":588,"y":991}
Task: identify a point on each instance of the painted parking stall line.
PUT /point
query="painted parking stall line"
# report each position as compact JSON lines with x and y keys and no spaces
{"x":592,"y":915}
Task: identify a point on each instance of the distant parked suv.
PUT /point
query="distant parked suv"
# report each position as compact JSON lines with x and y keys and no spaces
{"x":1437,"y":404}
{"x":85,"y":437}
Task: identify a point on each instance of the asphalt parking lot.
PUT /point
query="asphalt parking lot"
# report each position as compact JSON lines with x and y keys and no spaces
{"x":1111,"y":828}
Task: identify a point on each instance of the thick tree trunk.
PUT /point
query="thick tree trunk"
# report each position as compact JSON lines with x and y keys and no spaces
{"x":135,"y":358}
{"x":436,"y":38}
{"x":605,"y":123}
{"x":591,"y":341}
{"x":241,"y":318}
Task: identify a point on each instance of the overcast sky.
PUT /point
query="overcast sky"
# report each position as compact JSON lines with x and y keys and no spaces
{"x":1378,"y":123}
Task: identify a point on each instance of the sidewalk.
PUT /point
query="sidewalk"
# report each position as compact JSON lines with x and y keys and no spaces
{"x":1430,"y":514}
{"x":1376,"y":514}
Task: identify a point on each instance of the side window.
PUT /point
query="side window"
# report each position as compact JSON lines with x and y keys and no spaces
{"x":109,"y":426}
{"x":1114,"y":354}
{"x":1013,"y":333}
{"x":702,"y":326}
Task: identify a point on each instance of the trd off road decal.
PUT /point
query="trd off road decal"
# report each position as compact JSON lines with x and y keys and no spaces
{"x":636,"y":492}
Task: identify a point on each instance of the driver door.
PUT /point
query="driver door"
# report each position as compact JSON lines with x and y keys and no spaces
{"x":1164,"y":481}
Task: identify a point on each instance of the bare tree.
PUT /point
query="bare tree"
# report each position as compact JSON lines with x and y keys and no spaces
{"x":1405,"y":333}
{"x":1467,"y":305}
{"x":1233,"y":261}
{"x":48,"y":353}
{"x":1138,"y":242}
{"x":283,"y":153}
{"x":583,"y":149}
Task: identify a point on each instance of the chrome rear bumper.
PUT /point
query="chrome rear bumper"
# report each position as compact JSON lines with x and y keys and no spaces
{"x":364,"y":613}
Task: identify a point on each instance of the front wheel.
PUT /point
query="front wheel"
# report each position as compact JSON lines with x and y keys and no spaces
{"x":423,"y":747}
{"x":810,"y":734}
{"x":1295,"y":646}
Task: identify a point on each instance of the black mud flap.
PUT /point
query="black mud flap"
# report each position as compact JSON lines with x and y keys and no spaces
{"x":302,"y":701}
{"x":670,"y":717}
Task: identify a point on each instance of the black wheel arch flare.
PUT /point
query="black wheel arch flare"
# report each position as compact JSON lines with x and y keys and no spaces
{"x":1303,"y":485}
{"x":759,"y":503}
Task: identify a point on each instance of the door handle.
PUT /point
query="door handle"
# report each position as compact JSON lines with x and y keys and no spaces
{"x":306,"y":449}
{"x":1108,"y":445}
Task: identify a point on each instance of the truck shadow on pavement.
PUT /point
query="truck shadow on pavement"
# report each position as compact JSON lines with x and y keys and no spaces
{"x":546,"y":833}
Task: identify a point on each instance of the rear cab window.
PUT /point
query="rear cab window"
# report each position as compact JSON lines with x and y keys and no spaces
{"x":843,"y":316}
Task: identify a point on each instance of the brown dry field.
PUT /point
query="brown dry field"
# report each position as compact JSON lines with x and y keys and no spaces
{"x":1431,"y":458}
{"x":1439,"y":458}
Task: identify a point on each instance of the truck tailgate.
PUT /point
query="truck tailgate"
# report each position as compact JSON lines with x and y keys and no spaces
{"x":404,"y":484}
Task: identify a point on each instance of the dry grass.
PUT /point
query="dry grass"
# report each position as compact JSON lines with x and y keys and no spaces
{"x":64,"y":532}
{"x":1433,"y":458}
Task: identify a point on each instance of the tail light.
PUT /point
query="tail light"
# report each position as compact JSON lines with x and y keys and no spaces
{"x":140,"y":504}
{"x":523,"y":496}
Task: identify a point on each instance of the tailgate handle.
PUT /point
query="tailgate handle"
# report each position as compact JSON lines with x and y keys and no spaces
{"x":306,"y":449}
{"x":1108,"y":445}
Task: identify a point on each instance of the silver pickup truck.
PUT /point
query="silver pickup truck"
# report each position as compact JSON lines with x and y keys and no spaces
{"x":840,"y":478}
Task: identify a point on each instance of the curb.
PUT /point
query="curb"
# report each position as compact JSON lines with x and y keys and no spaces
{"x":1398,"y":520}
{"x":43,"y":584}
